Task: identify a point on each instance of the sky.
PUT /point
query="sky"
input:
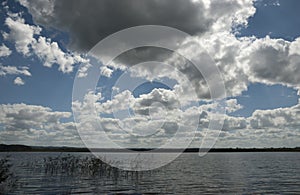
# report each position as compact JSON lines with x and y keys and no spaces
{"x":47,"y":46}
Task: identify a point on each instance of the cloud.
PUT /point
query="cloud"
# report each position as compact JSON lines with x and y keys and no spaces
{"x":281,"y":118}
{"x":50,"y":53}
{"x":120,"y":101}
{"x":149,"y":120}
{"x":18,"y":81}
{"x":106,"y":71}
{"x":272,"y":61}
{"x":212,"y":23}
{"x":240,"y":60}
{"x":24,"y":37}
{"x":250,"y":138}
{"x":245,"y":60}
{"x":90,"y":21}
{"x":36,"y":125}
{"x":157,"y":116}
{"x":83,"y":70}
{"x":232,"y":105}
{"x":223,"y":50}
{"x":21,"y":33}
{"x":13,"y":70}
{"x":4,"y":51}
{"x":157,"y":98}
{"x":265,"y":128}
{"x":202,"y":19}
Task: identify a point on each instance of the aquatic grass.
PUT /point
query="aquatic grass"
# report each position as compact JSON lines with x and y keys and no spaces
{"x":7,"y":178}
{"x":66,"y":165}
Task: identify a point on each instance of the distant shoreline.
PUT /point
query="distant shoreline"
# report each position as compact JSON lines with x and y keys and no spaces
{"x":24,"y":148}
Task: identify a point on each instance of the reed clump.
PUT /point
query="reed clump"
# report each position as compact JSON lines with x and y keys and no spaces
{"x":86,"y":166}
{"x":7,"y":178}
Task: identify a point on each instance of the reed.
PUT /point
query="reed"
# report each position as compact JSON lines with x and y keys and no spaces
{"x":66,"y":165}
{"x":7,"y":178}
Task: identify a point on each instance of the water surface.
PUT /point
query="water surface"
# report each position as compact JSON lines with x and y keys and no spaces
{"x":222,"y":173}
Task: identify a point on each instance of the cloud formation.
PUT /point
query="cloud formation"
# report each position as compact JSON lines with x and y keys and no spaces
{"x":19,"y":81}
{"x":28,"y":41}
{"x":273,"y":61}
{"x":240,"y":60}
{"x":36,"y":125}
{"x":89,"y":24}
{"x":13,"y":70}
{"x":212,"y":23}
{"x":158,"y":113}
{"x":4,"y":51}
{"x":20,"y":33}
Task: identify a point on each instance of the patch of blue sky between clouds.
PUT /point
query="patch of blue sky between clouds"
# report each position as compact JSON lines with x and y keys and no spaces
{"x":280,"y":20}
{"x":262,"y":97}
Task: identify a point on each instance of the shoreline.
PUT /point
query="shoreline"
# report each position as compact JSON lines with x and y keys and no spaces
{"x":25,"y":148}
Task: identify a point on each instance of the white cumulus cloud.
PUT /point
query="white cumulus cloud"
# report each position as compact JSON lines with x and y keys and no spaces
{"x":36,"y":125}
{"x":23,"y":35}
{"x":19,"y":81}
{"x":4,"y":51}
{"x":13,"y":70}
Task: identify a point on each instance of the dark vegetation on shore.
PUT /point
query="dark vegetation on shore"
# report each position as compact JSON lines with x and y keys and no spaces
{"x":24,"y":148}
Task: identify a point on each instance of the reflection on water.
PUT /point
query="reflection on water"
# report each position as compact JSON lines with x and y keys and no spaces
{"x":239,"y":173}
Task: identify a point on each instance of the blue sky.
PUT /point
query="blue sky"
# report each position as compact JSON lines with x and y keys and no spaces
{"x":50,"y":87}
{"x":273,"y":20}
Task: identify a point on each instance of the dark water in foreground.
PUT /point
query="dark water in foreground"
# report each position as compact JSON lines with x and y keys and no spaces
{"x":222,"y":173}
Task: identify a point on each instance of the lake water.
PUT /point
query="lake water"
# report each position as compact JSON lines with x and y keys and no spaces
{"x":222,"y":173}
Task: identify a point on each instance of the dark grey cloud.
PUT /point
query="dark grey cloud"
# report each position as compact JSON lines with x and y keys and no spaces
{"x":180,"y":63}
{"x":143,"y":54}
{"x":89,"y":21}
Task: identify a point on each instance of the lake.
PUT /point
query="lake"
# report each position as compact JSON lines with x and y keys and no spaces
{"x":215,"y":173}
